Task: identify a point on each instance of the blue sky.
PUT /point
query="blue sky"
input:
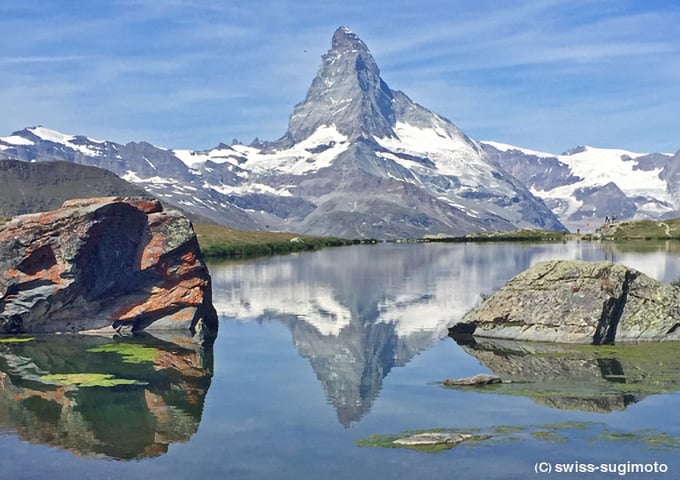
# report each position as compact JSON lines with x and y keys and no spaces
{"x":544,"y":74}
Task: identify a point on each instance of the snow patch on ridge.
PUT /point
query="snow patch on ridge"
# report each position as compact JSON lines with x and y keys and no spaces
{"x":132,"y":177}
{"x":191,"y":158}
{"x":64,"y":139}
{"x":317,"y":151}
{"x":599,"y":166}
{"x":452,"y":155}
{"x":251,"y":188}
{"x":15,"y":140}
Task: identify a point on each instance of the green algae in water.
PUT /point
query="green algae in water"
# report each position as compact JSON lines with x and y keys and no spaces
{"x":658,"y":352}
{"x":556,"y":433}
{"x":17,"y":339}
{"x":571,"y":426}
{"x":549,"y":436}
{"x":377,"y":440}
{"x":89,"y":380}
{"x":131,"y":352}
{"x":649,"y":437}
{"x":506,"y":429}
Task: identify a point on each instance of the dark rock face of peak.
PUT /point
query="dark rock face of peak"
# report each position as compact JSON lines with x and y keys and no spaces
{"x":346,"y":39}
{"x":347,"y":93}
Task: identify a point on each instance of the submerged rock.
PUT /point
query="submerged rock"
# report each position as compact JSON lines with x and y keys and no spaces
{"x":430,"y":439}
{"x":104,"y":264}
{"x":578,"y":302}
{"x":475,"y":380}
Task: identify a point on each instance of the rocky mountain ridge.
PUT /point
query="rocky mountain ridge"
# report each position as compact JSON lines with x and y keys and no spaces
{"x":358,"y":160}
{"x":585,"y":185}
{"x":362,"y":160}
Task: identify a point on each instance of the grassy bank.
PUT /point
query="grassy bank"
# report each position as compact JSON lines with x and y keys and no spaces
{"x":218,"y":242}
{"x":524,"y":235}
{"x":618,"y":231}
{"x":640,"y":230}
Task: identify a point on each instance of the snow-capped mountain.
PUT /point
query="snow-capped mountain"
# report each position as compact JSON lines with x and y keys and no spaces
{"x":155,"y":169}
{"x":585,"y":185}
{"x":358,"y":160}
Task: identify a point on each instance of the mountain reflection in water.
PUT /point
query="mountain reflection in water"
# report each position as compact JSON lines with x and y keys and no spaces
{"x":356,"y":313}
{"x":136,"y":395}
{"x":351,"y":365}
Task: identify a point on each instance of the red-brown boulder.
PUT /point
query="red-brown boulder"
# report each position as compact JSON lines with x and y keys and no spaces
{"x":104,"y":263}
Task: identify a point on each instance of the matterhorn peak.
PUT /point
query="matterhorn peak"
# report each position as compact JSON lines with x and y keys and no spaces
{"x":346,"y":39}
{"x":347,"y":93}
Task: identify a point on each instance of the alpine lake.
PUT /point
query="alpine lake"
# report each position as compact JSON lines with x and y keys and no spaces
{"x":324,"y":358}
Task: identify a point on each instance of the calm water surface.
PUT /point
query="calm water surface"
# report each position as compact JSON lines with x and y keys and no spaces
{"x":318,"y":351}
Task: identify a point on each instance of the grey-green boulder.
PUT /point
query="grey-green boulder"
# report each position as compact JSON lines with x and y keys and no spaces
{"x":578,"y":302}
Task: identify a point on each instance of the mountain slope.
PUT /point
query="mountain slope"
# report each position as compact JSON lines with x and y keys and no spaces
{"x":585,"y":185}
{"x":368,"y":161}
{"x":31,"y":187}
{"x":357,"y":160}
{"x":156,"y":170}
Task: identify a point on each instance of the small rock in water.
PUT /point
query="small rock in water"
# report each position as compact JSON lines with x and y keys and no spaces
{"x":479,"y":379}
{"x":425,"y":439}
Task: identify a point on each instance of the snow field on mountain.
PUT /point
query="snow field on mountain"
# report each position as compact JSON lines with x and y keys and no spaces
{"x":599,"y":166}
{"x":310,"y":155}
{"x":14,"y":140}
{"x":504,"y":147}
{"x":250,"y":188}
{"x":452,"y":155}
{"x":64,"y":139}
